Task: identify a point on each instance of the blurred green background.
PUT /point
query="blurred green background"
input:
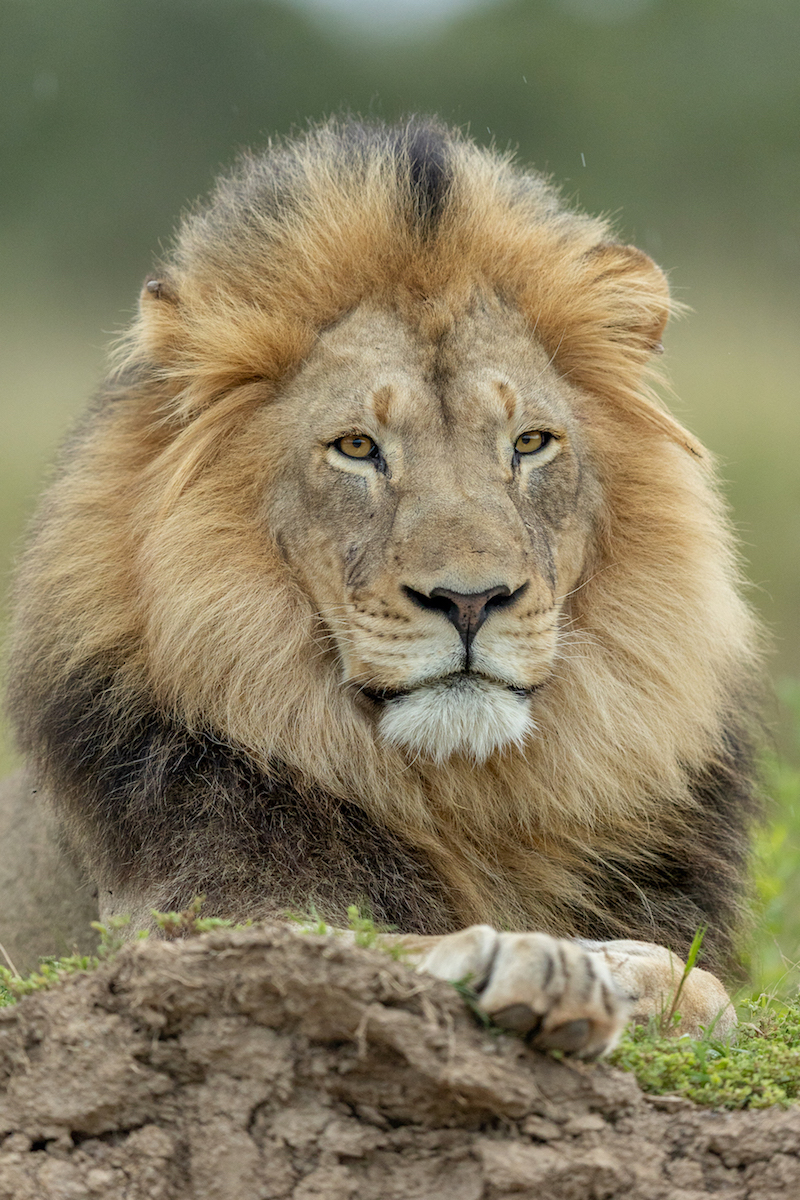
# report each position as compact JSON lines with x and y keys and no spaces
{"x":679,"y":117}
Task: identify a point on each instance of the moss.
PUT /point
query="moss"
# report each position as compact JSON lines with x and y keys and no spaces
{"x":188,"y":922}
{"x":366,"y":932}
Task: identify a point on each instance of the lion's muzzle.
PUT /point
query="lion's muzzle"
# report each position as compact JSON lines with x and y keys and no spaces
{"x":466,"y":611}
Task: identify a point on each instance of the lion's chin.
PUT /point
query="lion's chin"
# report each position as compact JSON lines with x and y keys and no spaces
{"x":457,"y":715}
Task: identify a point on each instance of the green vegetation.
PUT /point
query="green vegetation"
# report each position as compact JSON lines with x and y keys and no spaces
{"x":174,"y":925}
{"x":188,"y":922}
{"x":757,"y":1068}
{"x":371,"y":936}
{"x":775,"y":953}
{"x":677,"y":117}
{"x":672,"y":1015}
{"x":473,"y":1002}
{"x":51,"y":970}
{"x":761,"y":1066}
{"x":115,"y":113}
{"x":366,"y":933}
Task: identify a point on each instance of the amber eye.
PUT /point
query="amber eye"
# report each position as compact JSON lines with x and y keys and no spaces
{"x":358,"y":445}
{"x":529,"y":443}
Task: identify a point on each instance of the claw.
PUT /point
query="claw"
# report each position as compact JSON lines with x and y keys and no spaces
{"x":570,"y":1037}
{"x":517,"y":1018}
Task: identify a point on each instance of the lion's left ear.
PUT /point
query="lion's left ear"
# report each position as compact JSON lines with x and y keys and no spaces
{"x":620,"y":307}
{"x":634,"y":291}
{"x":602,"y":317}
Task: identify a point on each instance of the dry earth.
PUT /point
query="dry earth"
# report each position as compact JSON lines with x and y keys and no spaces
{"x":267,"y":1064}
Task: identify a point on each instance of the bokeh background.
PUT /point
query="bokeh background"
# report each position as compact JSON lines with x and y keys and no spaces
{"x":679,"y":117}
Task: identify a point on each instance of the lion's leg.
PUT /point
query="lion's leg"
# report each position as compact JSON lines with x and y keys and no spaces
{"x":571,"y":995}
{"x":46,"y":906}
{"x":652,"y":975}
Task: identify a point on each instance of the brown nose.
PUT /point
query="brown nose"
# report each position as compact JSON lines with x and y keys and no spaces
{"x":466,"y":610}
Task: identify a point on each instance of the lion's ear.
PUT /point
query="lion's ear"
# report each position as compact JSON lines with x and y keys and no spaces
{"x":602,"y":318}
{"x":619,"y":309}
{"x":635,"y":292}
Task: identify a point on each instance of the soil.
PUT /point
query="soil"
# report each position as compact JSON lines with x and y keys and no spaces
{"x":264,"y":1063}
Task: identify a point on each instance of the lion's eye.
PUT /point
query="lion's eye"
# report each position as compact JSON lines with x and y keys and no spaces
{"x":358,"y":445}
{"x":529,"y":443}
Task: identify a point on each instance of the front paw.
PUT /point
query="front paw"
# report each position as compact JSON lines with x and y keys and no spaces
{"x":556,"y":993}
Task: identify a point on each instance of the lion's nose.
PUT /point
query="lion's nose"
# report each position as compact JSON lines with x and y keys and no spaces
{"x":466,"y":610}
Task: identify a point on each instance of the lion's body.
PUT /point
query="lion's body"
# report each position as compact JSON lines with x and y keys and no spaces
{"x":231,"y":670}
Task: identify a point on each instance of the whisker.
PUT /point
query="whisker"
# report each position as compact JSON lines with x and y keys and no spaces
{"x":594,"y":575}
{"x":552,"y":356}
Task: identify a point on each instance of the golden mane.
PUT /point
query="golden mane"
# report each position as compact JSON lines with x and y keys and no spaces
{"x":151,"y":593}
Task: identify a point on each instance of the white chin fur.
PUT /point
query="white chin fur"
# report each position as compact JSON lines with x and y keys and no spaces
{"x":473,"y":717}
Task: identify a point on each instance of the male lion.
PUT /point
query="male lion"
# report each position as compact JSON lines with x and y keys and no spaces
{"x":377,"y":574}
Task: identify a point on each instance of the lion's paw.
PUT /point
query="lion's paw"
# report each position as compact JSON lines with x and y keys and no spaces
{"x":557,"y":993}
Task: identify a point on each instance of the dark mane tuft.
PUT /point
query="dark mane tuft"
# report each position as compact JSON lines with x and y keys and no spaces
{"x":422,"y":150}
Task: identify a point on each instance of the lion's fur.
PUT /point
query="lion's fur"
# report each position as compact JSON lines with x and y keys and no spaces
{"x":168,"y":678}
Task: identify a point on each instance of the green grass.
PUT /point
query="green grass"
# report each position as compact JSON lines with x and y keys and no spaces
{"x":757,"y":1068}
{"x":51,"y":971}
{"x":775,"y":952}
{"x":174,"y":925}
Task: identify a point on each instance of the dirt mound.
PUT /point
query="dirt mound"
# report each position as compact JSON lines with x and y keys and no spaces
{"x":264,"y":1064}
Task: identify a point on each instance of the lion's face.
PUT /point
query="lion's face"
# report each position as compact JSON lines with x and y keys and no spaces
{"x":435,"y":505}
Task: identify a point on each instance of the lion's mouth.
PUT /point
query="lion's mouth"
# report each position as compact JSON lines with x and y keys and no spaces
{"x":458,"y":680}
{"x":382,"y":695}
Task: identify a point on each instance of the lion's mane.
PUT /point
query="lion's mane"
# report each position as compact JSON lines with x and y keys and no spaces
{"x":167,"y":682}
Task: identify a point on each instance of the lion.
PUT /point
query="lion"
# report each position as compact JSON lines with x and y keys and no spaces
{"x":377,"y":573}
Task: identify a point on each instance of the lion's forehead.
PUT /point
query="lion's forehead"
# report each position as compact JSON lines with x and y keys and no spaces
{"x":480,"y":371}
